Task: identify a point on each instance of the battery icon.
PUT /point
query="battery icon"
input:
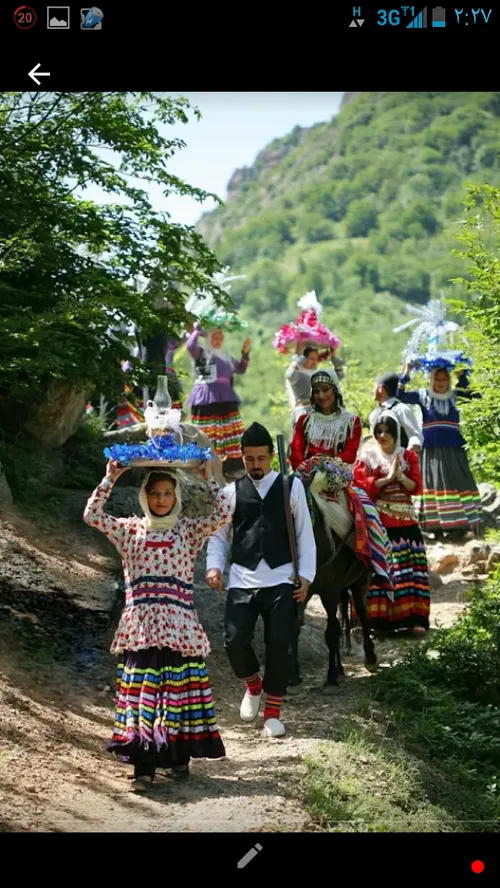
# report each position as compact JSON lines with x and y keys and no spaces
{"x":439,"y":17}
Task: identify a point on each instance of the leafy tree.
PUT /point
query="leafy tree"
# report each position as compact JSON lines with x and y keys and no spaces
{"x":361,"y":218}
{"x":314,"y":227}
{"x":480,"y":238}
{"x":67,"y":264}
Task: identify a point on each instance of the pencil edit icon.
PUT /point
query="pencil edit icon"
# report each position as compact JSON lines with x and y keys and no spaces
{"x":249,"y":856}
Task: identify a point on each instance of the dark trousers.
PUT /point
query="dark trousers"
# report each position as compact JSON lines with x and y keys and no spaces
{"x":277,"y":607}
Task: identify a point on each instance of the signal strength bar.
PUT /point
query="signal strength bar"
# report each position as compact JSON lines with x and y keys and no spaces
{"x":420,"y":20}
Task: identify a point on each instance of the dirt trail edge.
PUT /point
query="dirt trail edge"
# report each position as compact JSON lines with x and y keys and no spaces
{"x":56,"y":698}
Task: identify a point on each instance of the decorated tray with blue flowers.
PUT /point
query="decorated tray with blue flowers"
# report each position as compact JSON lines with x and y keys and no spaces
{"x":159,"y":451}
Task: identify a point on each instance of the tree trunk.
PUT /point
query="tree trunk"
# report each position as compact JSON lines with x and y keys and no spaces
{"x":5,"y":493}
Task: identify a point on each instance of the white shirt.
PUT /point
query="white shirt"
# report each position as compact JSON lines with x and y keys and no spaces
{"x":405,"y":417}
{"x":241,"y":577}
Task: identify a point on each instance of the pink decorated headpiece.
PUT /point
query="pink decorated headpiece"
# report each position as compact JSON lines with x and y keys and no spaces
{"x":306,"y":328}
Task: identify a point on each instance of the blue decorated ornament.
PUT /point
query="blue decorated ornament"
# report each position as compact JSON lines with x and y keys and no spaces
{"x":158,"y":449}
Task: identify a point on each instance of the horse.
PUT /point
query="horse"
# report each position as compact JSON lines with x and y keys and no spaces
{"x":338,"y":572}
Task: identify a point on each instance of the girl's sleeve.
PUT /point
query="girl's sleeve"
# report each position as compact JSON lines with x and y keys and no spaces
{"x":298,"y":446}
{"x":95,"y":516}
{"x":241,"y":365}
{"x":403,"y":395}
{"x":192,"y":344}
{"x":365,"y":479}
{"x":349,"y":453}
{"x":220,"y":515}
{"x":413,"y":472}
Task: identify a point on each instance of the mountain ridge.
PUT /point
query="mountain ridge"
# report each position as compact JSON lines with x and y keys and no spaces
{"x":364,"y":209}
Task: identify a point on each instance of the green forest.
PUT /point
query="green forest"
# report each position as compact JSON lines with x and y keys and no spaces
{"x":366,"y":209}
{"x":388,"y":203}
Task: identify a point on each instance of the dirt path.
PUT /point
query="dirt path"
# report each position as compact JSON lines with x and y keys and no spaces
{"x":57,"y":704}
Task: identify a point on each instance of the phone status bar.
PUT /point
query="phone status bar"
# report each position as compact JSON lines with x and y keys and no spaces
{"x":422,"y":18}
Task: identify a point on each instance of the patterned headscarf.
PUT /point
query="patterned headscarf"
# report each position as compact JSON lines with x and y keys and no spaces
{"x":325,"y":376}
{"x":328,"y":430}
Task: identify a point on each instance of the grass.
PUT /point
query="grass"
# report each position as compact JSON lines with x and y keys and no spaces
{"x":421,"y":753}
{"x":369,"y":781}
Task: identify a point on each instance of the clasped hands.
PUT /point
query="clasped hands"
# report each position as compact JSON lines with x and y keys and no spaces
{"x":396,"y":472}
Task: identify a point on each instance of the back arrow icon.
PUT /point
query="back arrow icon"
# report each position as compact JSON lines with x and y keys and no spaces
{"x":34,"y":71}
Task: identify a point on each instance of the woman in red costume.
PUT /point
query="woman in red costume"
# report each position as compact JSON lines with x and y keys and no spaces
{"x":330,"y":430}
{"x":391,"y":476}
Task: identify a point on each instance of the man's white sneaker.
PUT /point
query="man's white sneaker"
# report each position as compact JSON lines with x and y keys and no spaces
{"x":273,"y":727}
{"x":250,"y":705}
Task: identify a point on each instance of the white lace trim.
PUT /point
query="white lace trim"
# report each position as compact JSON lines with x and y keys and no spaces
{"x":440,"y":403}
{"x":375,"y":458}
{"x":328,"y":431}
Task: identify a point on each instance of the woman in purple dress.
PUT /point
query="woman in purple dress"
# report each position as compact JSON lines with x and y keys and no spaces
{"x":213,"y":402}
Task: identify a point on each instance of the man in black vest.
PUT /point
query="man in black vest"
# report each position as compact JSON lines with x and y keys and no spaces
{"x":260,"y":579}
{"x":384,"y":393}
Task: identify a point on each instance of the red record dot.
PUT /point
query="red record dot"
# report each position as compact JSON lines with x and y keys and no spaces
{"x":477,"y":866}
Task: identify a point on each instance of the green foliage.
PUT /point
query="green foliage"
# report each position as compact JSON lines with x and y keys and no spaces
{"x":422,"y":752}
{"x":465,"y":659}
{"x":363,"y":209}
{"x":361,"y":218}
{"x":66,"y":263}
{"x":424,"y":746}
{"x":480,"y":237}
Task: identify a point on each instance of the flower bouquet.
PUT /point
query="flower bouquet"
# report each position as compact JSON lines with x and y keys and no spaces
{"x":329,"y":488}
{"x":332,"y":476}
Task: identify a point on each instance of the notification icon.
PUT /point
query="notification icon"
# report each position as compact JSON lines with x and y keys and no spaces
{"x":25,"y":18}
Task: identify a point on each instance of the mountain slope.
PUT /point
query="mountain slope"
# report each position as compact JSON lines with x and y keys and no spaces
{"x":364,"y":209}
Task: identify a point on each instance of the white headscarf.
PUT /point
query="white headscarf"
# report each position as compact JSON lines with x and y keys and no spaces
{"x":440,"y":402}
{"x":375,"y":457}
{"x":165,"y":522}
{"x":212,"y":352}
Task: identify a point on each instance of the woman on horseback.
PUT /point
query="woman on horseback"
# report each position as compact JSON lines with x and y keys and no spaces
{"x":330,"y":430}
{"x":390,"y":475}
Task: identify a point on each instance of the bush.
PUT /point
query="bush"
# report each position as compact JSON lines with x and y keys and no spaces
{"x":464,"y":659}
{"x":361,"y":218}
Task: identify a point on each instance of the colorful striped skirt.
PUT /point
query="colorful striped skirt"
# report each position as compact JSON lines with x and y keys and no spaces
{"x":164,"y":711}
{"x":410,"y":575}
{"x":222,"y":423}
{"x":450,"y":499}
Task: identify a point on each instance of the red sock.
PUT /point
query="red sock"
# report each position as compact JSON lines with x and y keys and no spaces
{"x":272,"y":706}
{"x":254,"y":684}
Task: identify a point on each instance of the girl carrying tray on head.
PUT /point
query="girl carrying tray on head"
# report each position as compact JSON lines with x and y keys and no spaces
{"x":164,"y":712}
